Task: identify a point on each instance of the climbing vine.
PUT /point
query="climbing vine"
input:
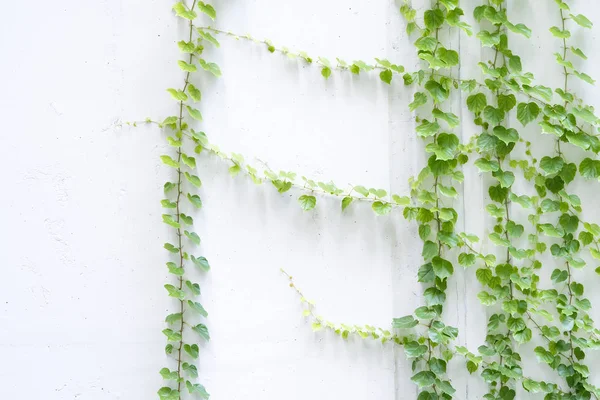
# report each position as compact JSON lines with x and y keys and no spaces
{"x":534,"y":214}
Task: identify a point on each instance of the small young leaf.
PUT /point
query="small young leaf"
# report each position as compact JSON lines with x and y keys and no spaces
{"x":346,"y":201}
{"x":186,"y":66}
{"x":193,"y":236}
{"x":192,"y":350}
{"x":386,"y":76}
{"x":210,"y":67}
{"x":476,"y":103}
{"x":527,"y":112}
{"x":195,"y":200}
{"x":582,"y":20}
{"x":201,"y":262}
{"x":307,"y":202}
{"x":381,"y":208}
{"x":197,"y":307}
{"x":169,"y":161}
{"x":194,"y":92}
{"x":207,"y":9}
{"x":202,"y":330}
{"x":405,"y":322}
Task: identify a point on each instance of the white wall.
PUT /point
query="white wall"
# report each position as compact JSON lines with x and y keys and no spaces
{"x":81,"y":299}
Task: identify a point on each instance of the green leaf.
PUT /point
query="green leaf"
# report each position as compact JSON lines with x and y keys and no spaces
{"x":174,"y":292}
{"x":507,"y":102}
{"x":589,"y":169}
{"x":193,"y":179}
{"x":582,"y":20}
{"x":505,"y":178}
{"x":186,"y":47}
{"x":381,"y":208}
{"x":201,"y":262}
{"x":434,"y":296}
{"x":449,"y":4}
{"x":307,"y":202}
{"x":326,"y":72}
{"x":190,"y":369}
{"x":425,"y":273}
{"x":187,"y":67}
{"x":584,"y":77}
{"x":426,"y":43}
{"x":419,"y":99}
{"x":174,"y":269}
{"x":519,"y":28}
{"x":543,"y":355}
{"x":476,"y":102}
{"x":207,"y":9}
{"x":527,"y":112}
{"x":386,"y":76}
{"x":442,"y":268}
{"x":430,"y":249}
{"x":193,"y":236}
{"x":523,"y":336}
{"x":182,"y":11}
{"x":193,"y":287}
{"x":488,"y":39}
{"x":192,"y":350}
{"x":197,"y":388}
{"x":493,"y":115}
{"x":423,"y":378}
{"x":346,"y":202}
{"x":539,"y":90}
{"x":559,"y":33}
{"x":282,"y":186}
{"x":172,"y":318}
{"x":486,"y":298}
{"x":168,"y":374}
{"x":195,"y":200}
{"x":578,"y":52}
{"x":514,"y":64}
{"x":177,"y":94}
{"x":426,"y":128}
{"x":167,"y":160}
{"x":570,"y":223}
{"x":487,"y":165}
{"x":166,"y":393}
{"x":551,"y":165}
{"x":508,"y":136}
{"x":466,"y":260}
{"x":197,"y":307}
{"x":171,"y":248}
{"x":194,"y":92}
{"x":202,"y":330}
{"x":210,"y":67}
{"x":208,"y":37}
{"x":414,"y":350}
{"x":189,"y":161}
{"x":405,"y":322}
{"x":437,"y":366}
{"x":434,"y":19}
{"x":168,"y":219}
{"x":194,"y":113}
{"x":437,"y":91}
{"x":172,"y":336}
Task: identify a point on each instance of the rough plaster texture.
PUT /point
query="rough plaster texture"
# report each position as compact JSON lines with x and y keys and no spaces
{"x":81,"y":299}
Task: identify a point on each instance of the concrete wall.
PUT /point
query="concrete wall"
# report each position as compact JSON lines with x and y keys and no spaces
{"x":81,"y":299}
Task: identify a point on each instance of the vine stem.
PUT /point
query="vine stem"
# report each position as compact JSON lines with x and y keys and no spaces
{"x":178,"y":201}
{"x":344,"y":67}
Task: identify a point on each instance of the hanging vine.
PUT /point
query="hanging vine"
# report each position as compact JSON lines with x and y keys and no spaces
{"x":184,"y":348}
{"x":510,"y":275}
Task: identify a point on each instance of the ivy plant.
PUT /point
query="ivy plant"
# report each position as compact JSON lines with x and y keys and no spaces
{"x":527,"y":301}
